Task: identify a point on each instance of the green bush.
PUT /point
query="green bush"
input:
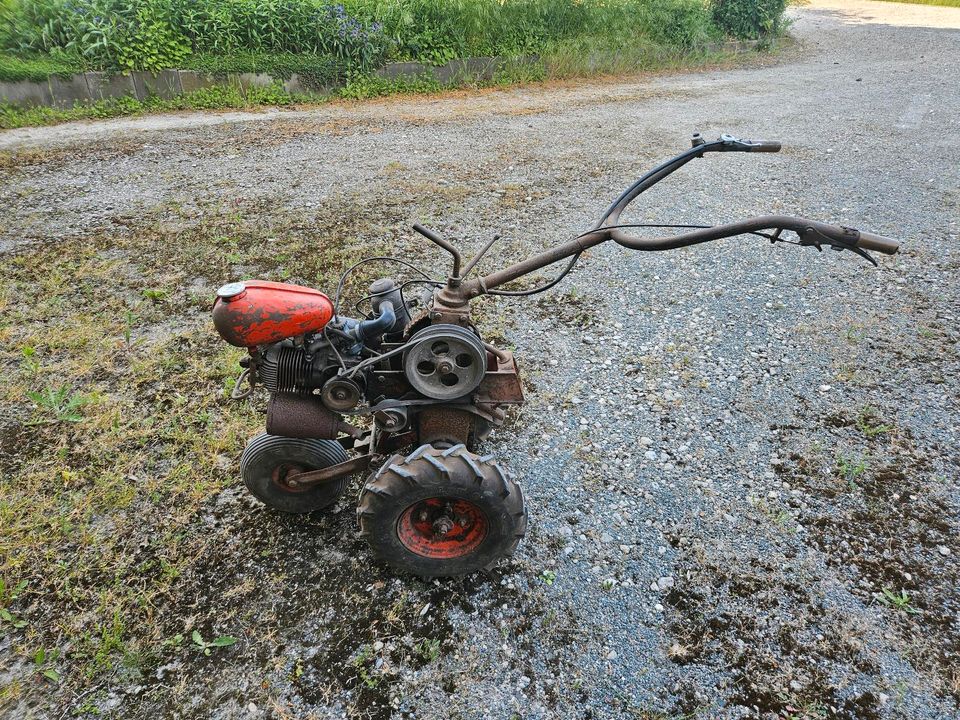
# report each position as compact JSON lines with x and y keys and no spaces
{"x":360,"y":35}
{"x":36,"y":68}
{"x":154,"y":34}
{"x":677,"y":23}
{"x":316,"y":69}
{"x":750,"y":19}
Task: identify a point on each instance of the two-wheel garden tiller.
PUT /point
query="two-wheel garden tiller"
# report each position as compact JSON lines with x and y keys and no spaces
{"x":419,"y":368}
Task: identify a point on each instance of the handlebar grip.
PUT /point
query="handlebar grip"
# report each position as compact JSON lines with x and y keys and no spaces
{"x":878,"y":243}
{"x":765,"y":146}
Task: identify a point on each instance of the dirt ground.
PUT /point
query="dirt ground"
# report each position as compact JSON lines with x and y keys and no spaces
{"x":740,"y":460}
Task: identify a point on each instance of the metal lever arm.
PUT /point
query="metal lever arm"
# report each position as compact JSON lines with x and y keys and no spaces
{"x":445,"y":244}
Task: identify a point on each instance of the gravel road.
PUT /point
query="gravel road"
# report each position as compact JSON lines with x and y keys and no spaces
{"x":729,"y":452}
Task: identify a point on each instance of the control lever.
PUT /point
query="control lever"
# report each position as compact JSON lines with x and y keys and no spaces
{"x":445,"y":244}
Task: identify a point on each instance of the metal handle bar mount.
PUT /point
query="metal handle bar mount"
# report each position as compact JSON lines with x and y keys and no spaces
{"x":810,"y":232}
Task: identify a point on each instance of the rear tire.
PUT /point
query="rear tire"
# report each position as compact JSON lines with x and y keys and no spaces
{"x":268,"y":459}
{"x":441,"y":513}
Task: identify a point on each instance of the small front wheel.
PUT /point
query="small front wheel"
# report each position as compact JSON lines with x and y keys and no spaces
{"x":268,"y":460}
{"x":441,"y":513}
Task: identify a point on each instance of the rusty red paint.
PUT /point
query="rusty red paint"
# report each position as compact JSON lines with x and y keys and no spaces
{"x":465,"y":527}
{"x":266,"y":312}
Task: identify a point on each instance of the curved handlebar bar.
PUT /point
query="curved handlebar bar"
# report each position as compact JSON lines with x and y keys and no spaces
{"x":811,"y":232}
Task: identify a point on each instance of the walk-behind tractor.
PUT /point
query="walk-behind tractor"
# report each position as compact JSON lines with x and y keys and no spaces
{"x":427,"y":385}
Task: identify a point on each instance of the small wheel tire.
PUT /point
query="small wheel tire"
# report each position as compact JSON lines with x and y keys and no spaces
{"x":267,"y":459}
{"x":441,"y":513}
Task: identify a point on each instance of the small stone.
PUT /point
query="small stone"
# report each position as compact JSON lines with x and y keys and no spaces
{"x":943,"y":550}
{"x":825,"y":388}
{"x":650,"y":455}
{"x":883,"y":698}
{"x":252,"y":708}
{"x":658,"y":607}
{"x":378,"y":646}
{"x":646,"y":441}
{"x":612,"y":655}
{"x":665,"y":582}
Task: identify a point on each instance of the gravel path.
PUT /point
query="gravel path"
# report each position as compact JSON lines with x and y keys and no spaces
{"x":729,"y":452}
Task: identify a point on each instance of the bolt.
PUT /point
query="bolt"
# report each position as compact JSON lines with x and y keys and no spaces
{"x":442,"y":525}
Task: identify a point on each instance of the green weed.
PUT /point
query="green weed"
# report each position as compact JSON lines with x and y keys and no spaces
{"x":849,"y":469}
{"x":220,"y":641}
{"x":428,"y":649}
{"x":59,"y":404}
{"x":869,"y":423}
{"x":898,"y":601}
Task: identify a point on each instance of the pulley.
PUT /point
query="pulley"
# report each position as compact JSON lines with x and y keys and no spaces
{"x":340,"y":394}
{"x":444,"y":361}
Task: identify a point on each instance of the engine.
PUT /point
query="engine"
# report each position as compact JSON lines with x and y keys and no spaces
{"x":320,"y":368}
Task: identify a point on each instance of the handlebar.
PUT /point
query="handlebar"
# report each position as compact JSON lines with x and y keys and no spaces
{"x":810,"y":232}
{"x":765,"y":146}
{"x":878,"y":243}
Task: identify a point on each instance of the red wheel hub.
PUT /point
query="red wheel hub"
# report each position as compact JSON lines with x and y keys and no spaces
{"x":282,"y":472}
{"x":442,"y":528}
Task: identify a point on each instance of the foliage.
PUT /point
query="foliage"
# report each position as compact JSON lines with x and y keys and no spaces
{"x":59,"y":404}
{"x":750,"y":19}
{"x":320,"y":69}
{"x":362,"y":34}
{"x":36,"y":68}
{"x":218,"y":642}
{"x":898,"y":601}
{"x":676,"y":23}
{"x":362,"y":87}
{"x":213,"y":98}
{"x":155,"y":34}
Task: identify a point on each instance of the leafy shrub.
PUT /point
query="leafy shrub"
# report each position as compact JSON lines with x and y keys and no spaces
{"x":154,"y":34}
{"x":751,"y":19}
{"x":316,"y":69}
{"x":360,"y":35}
{"x":36,"y":68}
{"x":677,"y":23}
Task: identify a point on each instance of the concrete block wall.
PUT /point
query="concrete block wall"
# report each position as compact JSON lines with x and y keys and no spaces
{"x":94,"y":86}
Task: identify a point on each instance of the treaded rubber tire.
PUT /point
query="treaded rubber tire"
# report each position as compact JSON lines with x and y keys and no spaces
{"x":265,"y":452}
{"x":453,"y":473}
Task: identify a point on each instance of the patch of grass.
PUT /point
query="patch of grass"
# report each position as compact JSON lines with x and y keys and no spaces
{"x":870,"y":424}
{"x":58,"y":405}
{"x":317,"y":70}
{"x":898,"y":601}
{"x":37,"y":67}
{"x":362,"y":87}
{"x":214,"y":98}
{"x":99,"y":513}
{"x":428,"y":649}
{"x":850,"y":469}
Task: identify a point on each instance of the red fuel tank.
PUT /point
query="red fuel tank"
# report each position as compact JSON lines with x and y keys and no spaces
{"x":259,"y":312}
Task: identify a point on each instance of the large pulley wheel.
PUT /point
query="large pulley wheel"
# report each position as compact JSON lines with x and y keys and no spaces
{"x":268,"y":460}
{"x":441,"y":513}
{"x":444,"y":362}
